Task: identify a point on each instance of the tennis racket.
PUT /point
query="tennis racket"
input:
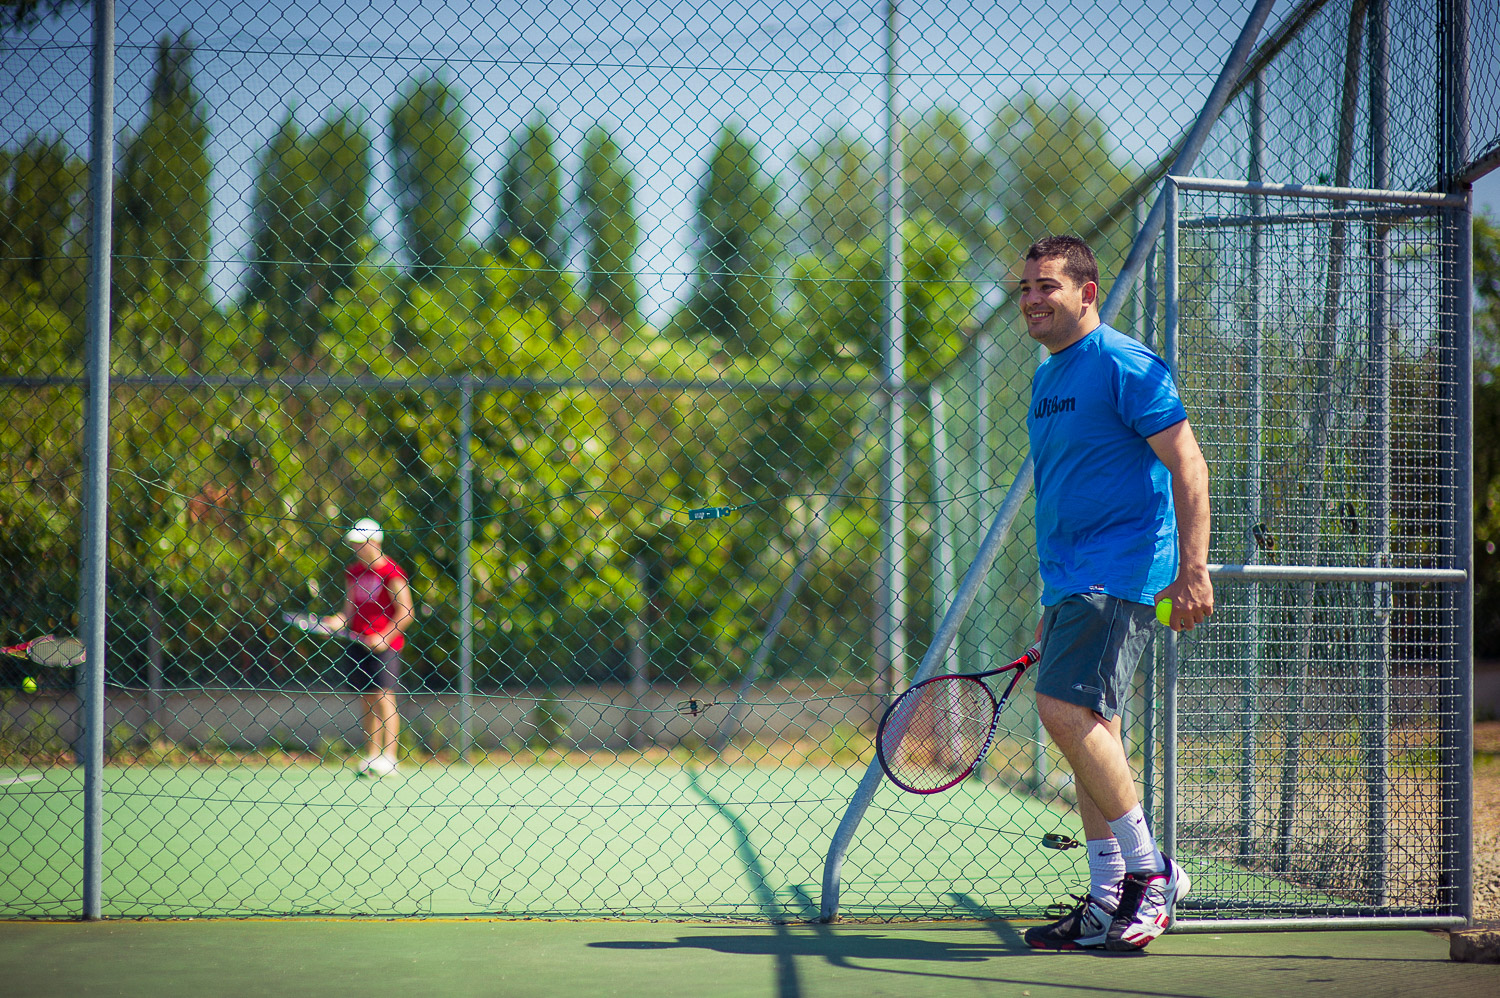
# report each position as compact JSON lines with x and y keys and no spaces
{"x":49,"y":650}
{"x":313,"y":624}
{"x":935,"y":733}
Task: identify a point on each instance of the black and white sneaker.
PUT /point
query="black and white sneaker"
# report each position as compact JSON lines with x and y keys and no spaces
{"x":1148,"y":907}
{"x":1085,"y":927}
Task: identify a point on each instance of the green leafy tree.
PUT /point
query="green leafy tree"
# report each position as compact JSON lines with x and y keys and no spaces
{"x":42,"y":272}
{"x":611,"y":232}
{"x":1487,"y":435}
{"x":162,"y":221}
{"x":841,"y":191}
{"x":839,"y":294}
{"x":42,"y":194}
{"x":1055,"y":168}
{"x":433,"y":175}
{"x":951,"y":179}
{"x":311,"y":231}
{"x":735,"y":231}
{"x":528,"y":224}
{"x":530,"y":204}
{"x":343,"y":160}
{"x":18,"y":15}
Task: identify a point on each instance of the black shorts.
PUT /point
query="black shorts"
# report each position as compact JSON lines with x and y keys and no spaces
{"x":371,"y":671}
{"x":1091,"y":643}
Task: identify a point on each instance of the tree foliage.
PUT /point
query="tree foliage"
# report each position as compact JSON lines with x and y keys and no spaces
{"x":312,"y":230}
{"x":1055,"y":167}
{"x":232,"y":502}
{"x":735,"y":230}
{"x":434,"y":176}
{"x":1486,"y":436}
{"x":606,"y":195}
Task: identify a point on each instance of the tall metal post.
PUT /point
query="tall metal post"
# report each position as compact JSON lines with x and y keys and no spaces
{"x":1456,"y":880}
{"x":1168,"y":825}
{"x":1378,"y":648}
{"x":984,"y":638}
{"x":893,"y":505}
{"x":943,"y":570}
{"x":1254,"y":460}
{"x":1149,"y":739}
{"x":465,"y":568}
{"x":96,"y":454}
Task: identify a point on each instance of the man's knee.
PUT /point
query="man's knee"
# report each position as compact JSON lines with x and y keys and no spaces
{"x":1066,"y":722}
{"x":1060,"y":717}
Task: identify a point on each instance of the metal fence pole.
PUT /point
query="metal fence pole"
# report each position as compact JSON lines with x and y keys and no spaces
{"x":1378,"y":652}
{"x":893,"y":506}
{"x":1458,"y":741}
{"x":1167,"y":829}
{"x":96,"y":454}
{"x":465,"y":569}
{"x":943,"y":570}
{"x":1251,"y":686}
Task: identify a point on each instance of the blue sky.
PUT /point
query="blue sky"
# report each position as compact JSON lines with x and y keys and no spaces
{"x":1487,"y":193}
{"x":664,"y":75}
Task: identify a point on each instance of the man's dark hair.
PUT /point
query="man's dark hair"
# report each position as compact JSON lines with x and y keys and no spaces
{"x":1078,"y":260}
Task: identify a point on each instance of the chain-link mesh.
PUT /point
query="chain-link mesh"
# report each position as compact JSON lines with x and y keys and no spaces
{"x":589,"y":308}
{"x":1316,"y":719}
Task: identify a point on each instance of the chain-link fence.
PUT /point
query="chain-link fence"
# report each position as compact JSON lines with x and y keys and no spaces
{"x":1321,"y":721}
{"x":670,"y":350}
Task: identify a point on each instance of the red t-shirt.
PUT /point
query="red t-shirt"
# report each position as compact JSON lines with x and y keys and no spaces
{"x":369,"y":589}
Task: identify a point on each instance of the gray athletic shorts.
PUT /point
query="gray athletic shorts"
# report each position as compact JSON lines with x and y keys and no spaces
{"x":1091,"y":644}
{"x":371,"y":671}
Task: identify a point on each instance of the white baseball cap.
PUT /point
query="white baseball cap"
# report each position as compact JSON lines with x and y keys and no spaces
{"x":364,"y":530}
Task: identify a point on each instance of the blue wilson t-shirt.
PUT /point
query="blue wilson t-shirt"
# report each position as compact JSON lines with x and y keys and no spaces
{"x":1104,"y":516}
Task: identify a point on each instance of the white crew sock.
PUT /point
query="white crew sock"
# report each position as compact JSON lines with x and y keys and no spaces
{"x":1136,"y":844}
{"x":1106,"y":870}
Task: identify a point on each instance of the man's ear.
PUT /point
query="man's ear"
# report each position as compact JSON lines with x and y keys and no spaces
{"x":1091,"y":293}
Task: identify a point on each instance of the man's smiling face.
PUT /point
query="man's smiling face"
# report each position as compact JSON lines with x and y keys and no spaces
{"x":1058,"y":311}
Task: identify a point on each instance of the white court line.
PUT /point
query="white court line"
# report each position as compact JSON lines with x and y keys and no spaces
{"x":11,"y":781}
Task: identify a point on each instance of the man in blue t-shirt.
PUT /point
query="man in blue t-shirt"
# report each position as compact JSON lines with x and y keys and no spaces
{"x":1122,"y":524}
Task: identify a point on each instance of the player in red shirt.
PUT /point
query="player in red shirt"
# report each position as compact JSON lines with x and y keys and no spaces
{"x":377,"y":608}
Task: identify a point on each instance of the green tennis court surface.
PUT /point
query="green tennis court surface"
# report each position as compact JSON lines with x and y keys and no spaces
{"x":549,"y":841}
{"x":525,"y":840}
{"x":540,"y":959}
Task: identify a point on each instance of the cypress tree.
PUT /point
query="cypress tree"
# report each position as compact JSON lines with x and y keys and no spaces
{"x":162,"y":213}
{"x":341,"y":156}
{"x":164,"y":192}
{"x":612,"y":233}
{"x":949,"y":178}
{"x":735,"y":230}
{"x":531,"y":194}
{"x":311,"y":220}
{"x":42,"y":203}
{"x":434,"y":176}
{"x":841,"y":190}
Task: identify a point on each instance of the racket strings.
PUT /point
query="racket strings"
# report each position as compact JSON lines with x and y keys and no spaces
{"x":936,"y":732}
{"x":57,"y":653}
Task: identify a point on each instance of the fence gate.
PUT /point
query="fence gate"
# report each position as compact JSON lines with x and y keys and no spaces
{"x":1315,"y":733}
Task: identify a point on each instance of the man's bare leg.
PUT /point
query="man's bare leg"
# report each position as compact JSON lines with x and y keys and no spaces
{"x":1095,"y":750}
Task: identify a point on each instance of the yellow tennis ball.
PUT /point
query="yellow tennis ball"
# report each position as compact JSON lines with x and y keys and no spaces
{"x":28,"y":684}
{"x":1164,"y":612}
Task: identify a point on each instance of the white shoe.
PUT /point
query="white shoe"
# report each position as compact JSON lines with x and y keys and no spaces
{"x":1148,"y":907}
{"x":380,"y":765}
